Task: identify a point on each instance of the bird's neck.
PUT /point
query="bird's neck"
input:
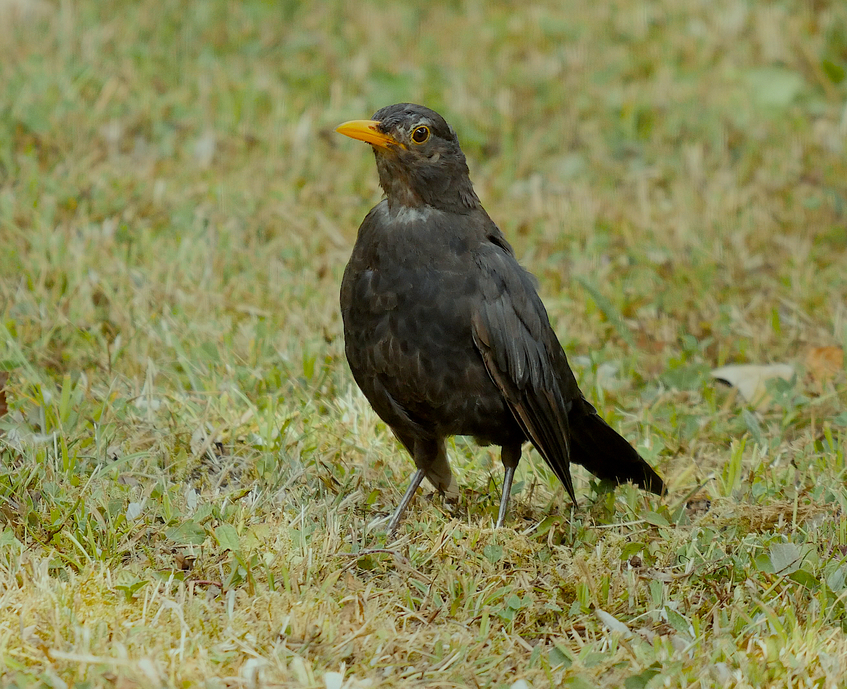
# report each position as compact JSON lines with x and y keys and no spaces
{"x":416,"y":188}
{"x":401,"y":196}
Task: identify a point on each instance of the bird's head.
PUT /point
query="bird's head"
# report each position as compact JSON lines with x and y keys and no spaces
{"x":418,"y":158}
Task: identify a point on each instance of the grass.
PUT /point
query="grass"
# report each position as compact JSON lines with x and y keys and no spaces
{"x":188,"y":475}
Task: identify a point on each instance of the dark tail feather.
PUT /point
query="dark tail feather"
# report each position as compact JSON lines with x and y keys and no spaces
{"x":600,"y":449}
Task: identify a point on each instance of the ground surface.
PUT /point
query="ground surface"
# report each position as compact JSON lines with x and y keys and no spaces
{"x":188,"y":475}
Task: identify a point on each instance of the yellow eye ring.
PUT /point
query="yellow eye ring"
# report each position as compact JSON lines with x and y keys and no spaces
{"x":420,"y":135}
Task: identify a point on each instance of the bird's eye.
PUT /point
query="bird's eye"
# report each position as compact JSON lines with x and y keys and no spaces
{"x":420,"y":135}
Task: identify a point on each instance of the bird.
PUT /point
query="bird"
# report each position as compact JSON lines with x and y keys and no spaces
{"x":444,"y":330}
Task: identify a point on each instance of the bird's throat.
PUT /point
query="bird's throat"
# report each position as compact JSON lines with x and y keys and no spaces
{"x":396,"y":183}
{"x":442,"y":184}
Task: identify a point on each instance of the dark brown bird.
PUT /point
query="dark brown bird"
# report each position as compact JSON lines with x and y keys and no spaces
{"x":445,"y":332}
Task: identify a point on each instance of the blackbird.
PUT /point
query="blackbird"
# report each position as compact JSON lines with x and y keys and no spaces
{"x":444,"y":330}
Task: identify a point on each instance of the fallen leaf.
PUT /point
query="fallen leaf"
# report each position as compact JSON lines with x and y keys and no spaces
{"x":184,"y":562}
{"x":133,"y":510}
{"x":204,"y":149}
{"x":750,"y":379}
{"x":774,"y":87}
{"x":333,"y":680}
{"x":12,"y":11}
{"x":612,"y":623}
{"x":697,"y":505}
{"x":4,"y":376}
{"x":786,"y":558}
{"x":824,"y":362}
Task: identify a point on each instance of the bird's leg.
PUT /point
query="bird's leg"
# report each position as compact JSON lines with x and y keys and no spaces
{"x":504,"y":500}
{"x":510,"y":455}
{"x":404,"y":503}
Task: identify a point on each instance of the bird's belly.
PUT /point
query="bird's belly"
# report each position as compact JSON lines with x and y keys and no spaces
{"x":417,"y":345}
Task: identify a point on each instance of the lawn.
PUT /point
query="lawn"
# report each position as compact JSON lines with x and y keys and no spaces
{"x":190,"y":481}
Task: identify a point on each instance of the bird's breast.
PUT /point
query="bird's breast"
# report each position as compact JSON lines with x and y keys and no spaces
{"x":408,"y":298}
{"x":415,"y":305}
{"x":407,"y":319}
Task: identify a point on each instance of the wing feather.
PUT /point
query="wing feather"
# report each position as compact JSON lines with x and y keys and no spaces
{"x":524,"y":359}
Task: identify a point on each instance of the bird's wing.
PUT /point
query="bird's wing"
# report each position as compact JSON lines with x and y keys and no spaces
{"x":512,"y":332}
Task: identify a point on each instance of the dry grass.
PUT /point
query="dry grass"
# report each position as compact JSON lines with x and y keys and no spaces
{"x":188,"y":475}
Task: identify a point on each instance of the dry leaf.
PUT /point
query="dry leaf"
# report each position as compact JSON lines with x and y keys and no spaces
{"x":333,"y":680}
{"x":697,"y":505}
{"x":612,"y":623}
{"x":4,"y":377}
{"x":12,"y":11}
{"x":750,"y":379}
{"x":204,"y":149}
{"x":824,"y":362}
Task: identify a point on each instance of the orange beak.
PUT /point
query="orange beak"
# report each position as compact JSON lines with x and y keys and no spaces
{"x":367,"y":131}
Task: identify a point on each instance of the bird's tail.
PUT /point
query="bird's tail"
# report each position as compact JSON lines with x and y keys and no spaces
{"x":600,"y":449}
